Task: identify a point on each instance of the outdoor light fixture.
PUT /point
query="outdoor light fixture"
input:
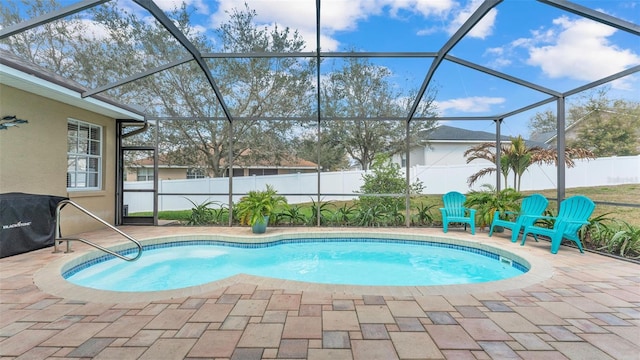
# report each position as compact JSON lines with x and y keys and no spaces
{"x":9,"y":121}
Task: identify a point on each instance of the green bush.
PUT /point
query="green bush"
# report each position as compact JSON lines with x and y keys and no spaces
{"x":488,"y":201}
{"x":386,"y":178}
{"x":202,"y":214}
{"x":423,"y":216}
{"x":617,"y":238}
{"x":292,"y":215}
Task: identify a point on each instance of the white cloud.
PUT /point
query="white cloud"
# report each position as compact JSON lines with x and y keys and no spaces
{"x":499,"y":58}
{"x":168,"y":5}
{"x":299,"y":15}
{"x":94,"y":30}
{"x":578,"y":49}
{"x":474,"y":104}
{"x":482,"y":29}
{"x":337,"y":15}
{"x":422,"y":7}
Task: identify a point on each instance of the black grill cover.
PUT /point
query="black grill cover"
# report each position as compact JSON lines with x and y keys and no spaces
{"x":27,"y":222}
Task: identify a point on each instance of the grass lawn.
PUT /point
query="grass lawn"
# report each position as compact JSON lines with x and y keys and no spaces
{"x":627,"y":194}
{"x":619,"y":193}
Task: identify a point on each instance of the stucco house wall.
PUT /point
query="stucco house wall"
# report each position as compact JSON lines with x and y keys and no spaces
{"x":445,"y":145}
{"x":33,"y":156}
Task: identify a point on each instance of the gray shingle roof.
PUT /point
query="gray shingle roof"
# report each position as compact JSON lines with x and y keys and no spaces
{"x":444,"y":132}
{"x":450,"y":133}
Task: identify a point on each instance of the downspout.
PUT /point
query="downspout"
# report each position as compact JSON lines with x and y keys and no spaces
{"x":144,"y":127}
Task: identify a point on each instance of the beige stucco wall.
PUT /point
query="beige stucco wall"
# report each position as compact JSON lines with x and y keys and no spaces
{"x":33,"y":156}
{"x":172,"y":174}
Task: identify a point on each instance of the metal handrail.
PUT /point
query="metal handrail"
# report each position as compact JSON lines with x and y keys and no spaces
{"x":58,"y":235}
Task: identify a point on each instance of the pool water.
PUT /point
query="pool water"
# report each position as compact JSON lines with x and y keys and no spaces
{"x":331,"y":262}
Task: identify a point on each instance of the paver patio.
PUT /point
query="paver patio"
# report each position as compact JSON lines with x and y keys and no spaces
{"x":571,"y":306}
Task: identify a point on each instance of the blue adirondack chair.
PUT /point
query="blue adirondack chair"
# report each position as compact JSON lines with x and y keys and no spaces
{"x":531,"y":207}
{"x":455,"y":212}
{"x":574,"y":213}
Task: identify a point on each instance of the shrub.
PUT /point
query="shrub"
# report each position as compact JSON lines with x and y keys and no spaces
{"x":344,"y":215}
{"x":293,"y":215}
{"x":621,"y":239}
{"x":258,"y":204}
{"x":423,"y":215}
{"x":386,"y":178}
{"x":488,"y":201}
{"x":321,"y":209}
{"x":202,"y":214}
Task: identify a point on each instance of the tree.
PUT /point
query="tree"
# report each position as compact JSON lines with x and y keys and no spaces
{"x":53,"y":45}
{"x":541,"y":123}
{"x":361,"y":91}
{"x":486,"y":151}
{"x":252,"y":88}
{"x":613,"y":130}
{"x":605,"y":126}
{"x":333,"y":156}
{"x":517,"y":157}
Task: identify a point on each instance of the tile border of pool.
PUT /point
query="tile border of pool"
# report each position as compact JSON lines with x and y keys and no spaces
{"x":50,"y":279}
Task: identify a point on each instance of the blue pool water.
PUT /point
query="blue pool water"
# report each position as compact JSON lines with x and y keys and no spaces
{"x":363,"y":262}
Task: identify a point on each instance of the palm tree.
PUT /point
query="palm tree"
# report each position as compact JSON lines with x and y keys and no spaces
{"x":517,"y":157}
{"x":486,"y":151}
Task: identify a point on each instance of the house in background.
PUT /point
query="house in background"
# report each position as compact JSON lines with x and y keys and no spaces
{"x":142,"y":170}
{"x":445,"y":145}
{"x":68,"y":146}
{"x":572,"y":132}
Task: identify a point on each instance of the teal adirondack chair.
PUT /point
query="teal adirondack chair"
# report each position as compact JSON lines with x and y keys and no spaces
{"x":531,"y":207}
{"x":574,"y":213}
{"x":455,"y":212}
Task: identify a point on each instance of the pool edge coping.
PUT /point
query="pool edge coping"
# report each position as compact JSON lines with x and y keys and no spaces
{"x":49,"y":278}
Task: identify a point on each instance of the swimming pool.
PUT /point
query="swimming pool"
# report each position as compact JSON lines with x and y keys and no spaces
{"x":353,"y":261}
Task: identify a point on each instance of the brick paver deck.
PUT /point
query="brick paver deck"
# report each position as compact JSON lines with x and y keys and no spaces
{"x":571,"y":306}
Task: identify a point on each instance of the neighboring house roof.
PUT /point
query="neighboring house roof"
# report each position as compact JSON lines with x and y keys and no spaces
{"x":446,"y":133}
{"x":544,"y":138}
{"x":23,"y":75}
{"x":549,"y":137}
{"x":450,"y":133}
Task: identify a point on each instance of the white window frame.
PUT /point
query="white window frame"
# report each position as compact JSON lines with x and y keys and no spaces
{"x":196,"y":173}
{"x":145,"y":173}
{"x":82,"y":162}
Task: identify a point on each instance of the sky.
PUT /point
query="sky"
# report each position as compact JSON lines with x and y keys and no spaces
{"x":522,"y":38}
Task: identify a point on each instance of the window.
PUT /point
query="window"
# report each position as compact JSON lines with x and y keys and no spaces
{"x":261,"y":172}
{"x":84,"y":156}
{"x":145,"y":174}
{"x":195,"y":173}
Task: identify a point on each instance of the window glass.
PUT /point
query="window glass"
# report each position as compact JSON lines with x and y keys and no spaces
{"x":195,"y":173}
{"x":145,"y":174}
{"x":84,"y":155}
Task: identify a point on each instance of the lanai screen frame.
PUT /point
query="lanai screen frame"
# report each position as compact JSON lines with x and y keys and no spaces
{"x":438,"y":57}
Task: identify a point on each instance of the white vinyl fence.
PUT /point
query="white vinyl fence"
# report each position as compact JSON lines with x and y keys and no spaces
{"x":342,"y":185}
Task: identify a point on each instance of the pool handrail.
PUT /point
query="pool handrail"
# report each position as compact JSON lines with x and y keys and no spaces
{"x":60,"y":238}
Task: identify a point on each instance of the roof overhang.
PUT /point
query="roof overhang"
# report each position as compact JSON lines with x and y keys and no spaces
{"x":35,"y":85}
